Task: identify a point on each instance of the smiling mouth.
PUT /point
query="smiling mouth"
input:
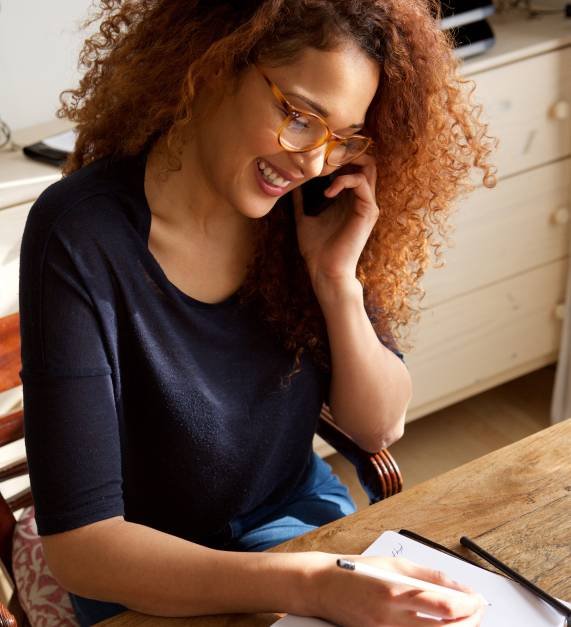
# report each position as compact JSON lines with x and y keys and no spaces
{"x":271,"y":176}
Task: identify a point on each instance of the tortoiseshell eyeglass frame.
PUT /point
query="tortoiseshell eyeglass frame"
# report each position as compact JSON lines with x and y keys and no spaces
{"x":329,"y":137}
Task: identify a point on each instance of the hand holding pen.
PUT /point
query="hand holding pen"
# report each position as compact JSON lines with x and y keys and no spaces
{"x":407,"y":595}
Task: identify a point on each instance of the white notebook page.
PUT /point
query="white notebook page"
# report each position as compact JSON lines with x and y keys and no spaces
{"x":511,"y":604}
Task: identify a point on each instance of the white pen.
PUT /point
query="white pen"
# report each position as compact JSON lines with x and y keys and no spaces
{"x":389,"y":576}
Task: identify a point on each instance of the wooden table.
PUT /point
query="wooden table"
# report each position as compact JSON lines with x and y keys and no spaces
{"x":516,"y":502}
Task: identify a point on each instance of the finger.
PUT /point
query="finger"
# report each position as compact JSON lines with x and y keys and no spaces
{"x":429,"y":574}
{"x":368,"y":165}
{"x":344,"y":181}
{"x":441,"y":605}
{"x":471,"y":621}
{"x":357,"y":182}
{"x":370,"y":171}
{"x":412,"y":620}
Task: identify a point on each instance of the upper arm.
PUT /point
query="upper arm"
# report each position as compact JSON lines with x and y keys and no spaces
{"x":70,"y":418}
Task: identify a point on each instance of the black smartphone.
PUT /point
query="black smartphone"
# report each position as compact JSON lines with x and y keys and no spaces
{"x":314,"y":201}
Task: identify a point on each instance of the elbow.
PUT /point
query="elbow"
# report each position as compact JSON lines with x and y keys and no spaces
{"x":72,"y":559}
{"x":61,"y":569}
{"x":383,"y":439}
{"x":393,"y":436}
{"x":373,"y":444}
{"x":396,"y":433}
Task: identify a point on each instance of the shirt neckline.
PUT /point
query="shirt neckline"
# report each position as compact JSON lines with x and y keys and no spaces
{"x":141,"y":162}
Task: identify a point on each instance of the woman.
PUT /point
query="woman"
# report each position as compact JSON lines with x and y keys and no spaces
{"x":183,"y":320}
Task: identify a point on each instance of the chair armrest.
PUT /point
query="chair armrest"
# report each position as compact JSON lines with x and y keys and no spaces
{"x":378,"y":472}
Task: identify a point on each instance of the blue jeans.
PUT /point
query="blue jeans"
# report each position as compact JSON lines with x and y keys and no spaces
{"x":321,"y":498}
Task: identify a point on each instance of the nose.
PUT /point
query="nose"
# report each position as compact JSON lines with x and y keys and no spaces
{"x":312,"y":162}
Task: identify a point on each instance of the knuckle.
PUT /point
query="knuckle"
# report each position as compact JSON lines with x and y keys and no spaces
{"x":390,"y":593}
{"x":439,"y":577}
{"x":445,"y":608}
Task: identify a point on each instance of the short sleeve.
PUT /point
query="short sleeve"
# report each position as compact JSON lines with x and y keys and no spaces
{"x":70,"y":415}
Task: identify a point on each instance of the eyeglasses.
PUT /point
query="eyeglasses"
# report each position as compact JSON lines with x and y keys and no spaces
{"x":302,"y":131}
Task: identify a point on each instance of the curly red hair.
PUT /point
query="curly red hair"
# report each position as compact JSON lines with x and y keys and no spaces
{"x":150,"y":57}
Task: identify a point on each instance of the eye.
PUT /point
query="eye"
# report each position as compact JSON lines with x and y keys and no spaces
{"x":300,"y":121}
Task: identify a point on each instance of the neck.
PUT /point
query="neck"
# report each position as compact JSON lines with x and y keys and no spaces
{"x":183,"y":200}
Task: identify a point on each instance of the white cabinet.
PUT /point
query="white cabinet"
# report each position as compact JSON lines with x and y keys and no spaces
{"x":494,"y":311}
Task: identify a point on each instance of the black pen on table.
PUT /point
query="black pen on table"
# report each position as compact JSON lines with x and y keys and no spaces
{"x":560,"y":607}
{"x":439,"y":547}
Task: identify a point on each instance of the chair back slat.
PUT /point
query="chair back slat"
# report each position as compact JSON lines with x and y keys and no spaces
{"x":17,"y":468}
{"x":11,"y":427}
{"x":22,"y":499}
{"x":10,"y":360}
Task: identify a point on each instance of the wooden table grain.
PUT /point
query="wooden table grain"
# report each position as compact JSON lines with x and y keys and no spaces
{"x":515,"y":502}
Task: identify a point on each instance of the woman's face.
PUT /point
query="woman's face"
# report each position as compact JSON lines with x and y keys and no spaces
{"x":234,"y":139}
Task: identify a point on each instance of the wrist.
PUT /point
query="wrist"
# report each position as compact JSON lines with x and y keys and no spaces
{"x":310,"y":583}
{"x":334,"y":292}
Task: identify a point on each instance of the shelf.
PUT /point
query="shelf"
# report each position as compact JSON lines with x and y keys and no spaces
{"x":518,"y":37}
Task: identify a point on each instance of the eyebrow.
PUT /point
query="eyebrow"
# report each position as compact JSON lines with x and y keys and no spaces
{"x":321,"y":110}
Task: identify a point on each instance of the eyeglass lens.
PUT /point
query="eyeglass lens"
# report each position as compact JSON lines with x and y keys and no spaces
{"x":305,"y":132}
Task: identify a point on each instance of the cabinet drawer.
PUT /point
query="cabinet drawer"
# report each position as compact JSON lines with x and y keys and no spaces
{"x":527,"y":105}
{"x":476,"y":337}
{"x":521,"y":224}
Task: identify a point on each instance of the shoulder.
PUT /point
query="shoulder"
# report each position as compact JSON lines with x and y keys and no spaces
{"x":99,"y":200}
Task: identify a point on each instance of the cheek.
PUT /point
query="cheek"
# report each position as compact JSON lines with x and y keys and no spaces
{"x":256,"y":128}
{"x":266,"y":143}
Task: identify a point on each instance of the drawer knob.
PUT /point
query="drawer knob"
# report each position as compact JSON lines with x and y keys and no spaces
{"x":560,"y":110}
{"x":560,"y":311}
{"x":560,"y":216}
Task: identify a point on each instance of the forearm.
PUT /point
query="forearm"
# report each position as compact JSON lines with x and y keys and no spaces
{"x":162,"y":575}
{"x":370,"y":386}
{"x":159,"y":574}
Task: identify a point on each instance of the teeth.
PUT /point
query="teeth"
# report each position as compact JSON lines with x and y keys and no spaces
{"x":271,"y":176}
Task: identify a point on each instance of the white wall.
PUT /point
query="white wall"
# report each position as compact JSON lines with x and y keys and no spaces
{"x":39,"y":47}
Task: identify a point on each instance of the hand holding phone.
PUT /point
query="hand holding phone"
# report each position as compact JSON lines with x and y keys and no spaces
{"x":331,"y":244}
{"x":312,"y":192}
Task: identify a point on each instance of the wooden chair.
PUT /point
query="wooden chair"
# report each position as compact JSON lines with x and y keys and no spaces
{"x":378,"y":472}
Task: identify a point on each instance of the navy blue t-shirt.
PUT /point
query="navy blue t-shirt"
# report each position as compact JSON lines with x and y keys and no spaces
{"x":140,"y":400}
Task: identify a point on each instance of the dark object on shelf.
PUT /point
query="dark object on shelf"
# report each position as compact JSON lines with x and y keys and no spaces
{"x":456,"y":13}
{"x":471,"y":39}
{"x":41,"y":152}
{"x":465,"y":20}
{"x":54,"y":149}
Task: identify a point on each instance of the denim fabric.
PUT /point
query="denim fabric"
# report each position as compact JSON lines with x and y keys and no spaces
{"x":89,"y":612}
{"x":320,"y":499}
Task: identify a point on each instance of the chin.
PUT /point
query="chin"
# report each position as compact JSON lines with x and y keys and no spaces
{"x":257,"y":209}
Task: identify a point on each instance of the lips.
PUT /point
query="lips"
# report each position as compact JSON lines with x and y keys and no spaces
{"x":283,"y":173}
{"x":267,"y":186}
{"x":271,"y":176}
